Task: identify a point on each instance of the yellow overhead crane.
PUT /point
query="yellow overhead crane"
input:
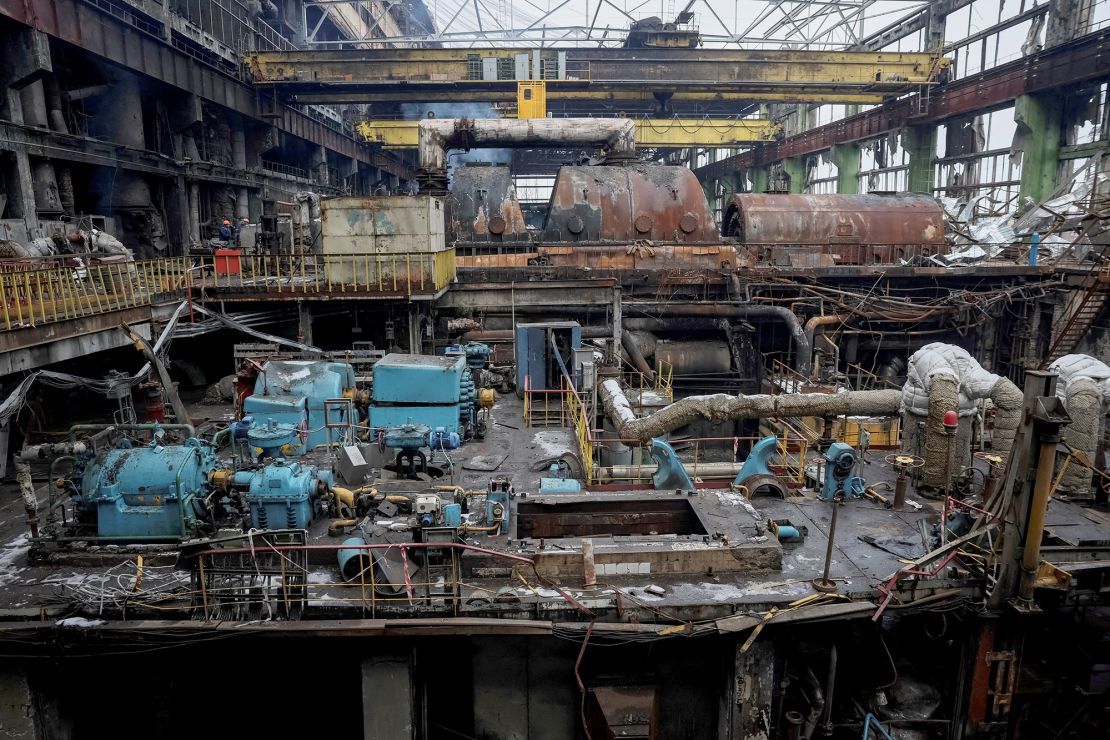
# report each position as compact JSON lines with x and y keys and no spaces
{"x":650,"y":132}
{"x":594,"y":74}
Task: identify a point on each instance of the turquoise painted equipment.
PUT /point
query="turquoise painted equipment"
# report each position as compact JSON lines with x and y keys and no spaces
{"x":281,"y":494}
{"x":670,"y":473}
{"x":758,"y":460}
{"x":840,"y":463}
{"x":153,"y":492}
{"x":477,"y":354}
{"x":436,"y":392}
{"x":294,"y":392}
{"x":558,"y":481}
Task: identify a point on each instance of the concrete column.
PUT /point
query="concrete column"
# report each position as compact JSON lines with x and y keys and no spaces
{"x":242,"y":203}
{"x":320,"y":164}
{"x":846,"y":159}
{"x":746,"y":700}
{"x":47,"y":199}
{"x":759,"y":179}
{"x":238,"y":146}
{"x":304,"y":322}
{"x":22,"y":204}
{"x":617,"y":322}
{"x":414,"y":329}
{"x":920,"y":143}
{"x":501,"y":688}
{"x":33,"y":98}
{"x":17,"y":705}
{"x":388,"y":706}
{"x":1040,"y":116}
{"x":194,"y":212}
{"x":121,"y":117}
{"x":795,"y":169}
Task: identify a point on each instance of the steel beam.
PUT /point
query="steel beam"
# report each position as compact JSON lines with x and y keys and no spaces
{"x":665,"y":132}
{"x":792,"y":75}
{"x":1086,"y":59}
{"x":120,"y":43}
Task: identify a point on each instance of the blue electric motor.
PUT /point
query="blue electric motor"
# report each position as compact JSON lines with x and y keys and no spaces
{"x":477,"y":354}
{"x":146,"y":493}
{"x":280,"y":495}
{"x":840,"y":464}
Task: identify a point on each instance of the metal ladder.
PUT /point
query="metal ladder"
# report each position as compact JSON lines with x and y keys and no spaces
{"x":1081,"y":313}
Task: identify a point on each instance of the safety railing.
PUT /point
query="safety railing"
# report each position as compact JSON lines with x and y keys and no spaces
{"x":581,"y":423}
{"x":40,"y":292}
{"x":271,"y":579}
{"x":389,"y":274}
{"x":546,"y":407}
{"x":660,"y":383}
{"x":694,"y":453}
{"x":785,"y":378}
{"x":31,"y":294}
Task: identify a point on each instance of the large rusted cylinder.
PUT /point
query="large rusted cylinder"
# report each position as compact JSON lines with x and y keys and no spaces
{"x":482,"y":206}
{"x":857,"y":229}
{"x":654,"y":203}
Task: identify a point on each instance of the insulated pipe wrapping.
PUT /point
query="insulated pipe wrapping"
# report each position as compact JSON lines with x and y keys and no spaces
{"x":944,"y":394}
{"x":1084,"y":406}
{"x":1007,"y":399}
{"x":965,"y":383}
{"x":721,"y":407}
{"x":437,"y":135}
{"x":1084,"y":386}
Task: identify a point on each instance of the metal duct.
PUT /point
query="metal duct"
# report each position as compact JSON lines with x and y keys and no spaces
{"x":722,"y":407}
{"x":1084,"y":405}
{"x":943,"y":377}
{"x":438,"y":135}
{"x":1085,"y":387}
{"x":738,"y":311}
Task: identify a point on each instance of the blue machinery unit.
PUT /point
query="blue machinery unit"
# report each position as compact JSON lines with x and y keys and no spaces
{"x":436,"y":392}
{"x":157,"y":492}
{"x":295,"y":392}
{"x":840,"y":465}
{"x":544,"y":353}
{"x":280,"y":495}
{"x":477,"y":354}
{"x":410,"y":439}
{"x":145,"y":493}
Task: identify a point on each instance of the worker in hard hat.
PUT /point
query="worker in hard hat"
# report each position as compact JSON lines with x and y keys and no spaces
{"x":225,"y":231}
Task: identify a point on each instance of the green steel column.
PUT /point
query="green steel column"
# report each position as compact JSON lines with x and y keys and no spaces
{"x":1041,"y":115}
{"x":795,"y":169}
{"x":846,"y":159}
{"x":759,"y":179}
{"x":921,"y":147}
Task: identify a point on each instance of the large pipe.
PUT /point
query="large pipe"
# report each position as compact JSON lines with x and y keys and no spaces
{"x":943,"y":377}
{"x":821,"y":322}
{"x":632,"y":347}
{"x":27,"y":493}
{"x":1084,"y":386}
{"x":438,"y":135}
{"x":739,"y":311}
{"x":721,"y":407}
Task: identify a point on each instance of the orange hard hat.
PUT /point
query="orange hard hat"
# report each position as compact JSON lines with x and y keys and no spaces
{"x":226,"y":222}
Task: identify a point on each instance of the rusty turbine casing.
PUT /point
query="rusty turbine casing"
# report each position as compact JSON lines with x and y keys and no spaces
{"x":482,"y":206}
{"x":854,"y":229}
{"x":657,"y":203}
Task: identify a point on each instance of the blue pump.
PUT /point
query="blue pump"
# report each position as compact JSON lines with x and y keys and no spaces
{"x":670,"y":473}
{"x":840,"y":463}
